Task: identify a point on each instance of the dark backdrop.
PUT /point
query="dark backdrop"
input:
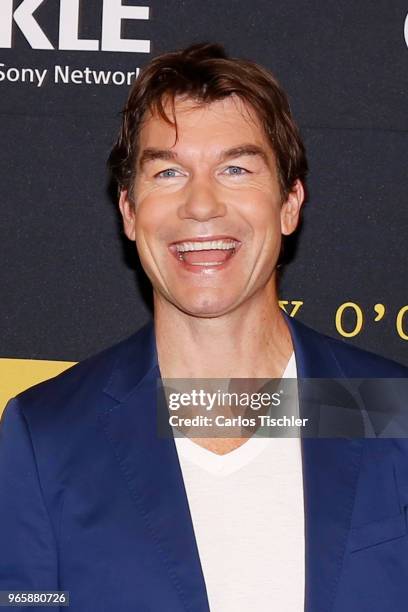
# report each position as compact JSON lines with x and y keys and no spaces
{"x":69,"y":285}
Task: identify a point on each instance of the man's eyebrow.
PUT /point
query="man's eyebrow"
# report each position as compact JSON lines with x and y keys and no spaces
{"x":152,"y":153}
{"x":244,"y":149}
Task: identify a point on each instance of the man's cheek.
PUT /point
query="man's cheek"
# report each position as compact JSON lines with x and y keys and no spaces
{"x":144,"y":188}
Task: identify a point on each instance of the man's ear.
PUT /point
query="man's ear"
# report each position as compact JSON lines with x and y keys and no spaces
{"x":127,"y":208}
{"x":290,"y":211}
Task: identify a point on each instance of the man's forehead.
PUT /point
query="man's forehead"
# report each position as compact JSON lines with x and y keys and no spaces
{"x":214,"y":125}
{"x":191,"y":112}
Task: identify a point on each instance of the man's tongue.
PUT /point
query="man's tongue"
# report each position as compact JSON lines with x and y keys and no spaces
{"x":207,"y":256}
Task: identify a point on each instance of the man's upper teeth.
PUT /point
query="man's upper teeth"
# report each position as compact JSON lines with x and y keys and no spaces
{"x":205,"y":245}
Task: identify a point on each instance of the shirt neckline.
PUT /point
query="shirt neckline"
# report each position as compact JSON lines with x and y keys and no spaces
{"x":190,"y":451}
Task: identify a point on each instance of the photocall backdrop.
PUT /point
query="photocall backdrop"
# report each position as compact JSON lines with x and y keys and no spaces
{"x":70,"y":284}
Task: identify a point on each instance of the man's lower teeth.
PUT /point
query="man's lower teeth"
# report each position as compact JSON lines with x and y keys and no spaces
{"x":207,"y":263}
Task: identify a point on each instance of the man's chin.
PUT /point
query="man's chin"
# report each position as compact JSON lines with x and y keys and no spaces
{"x":205,"y":307}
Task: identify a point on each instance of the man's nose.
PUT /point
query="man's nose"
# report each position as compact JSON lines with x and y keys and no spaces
{"x":202,"y":201}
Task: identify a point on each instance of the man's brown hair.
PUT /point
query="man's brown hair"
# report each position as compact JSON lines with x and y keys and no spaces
{"x":204,"y":73}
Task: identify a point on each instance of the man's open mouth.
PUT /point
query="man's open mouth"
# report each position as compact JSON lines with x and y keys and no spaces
{"x":205,"y":252}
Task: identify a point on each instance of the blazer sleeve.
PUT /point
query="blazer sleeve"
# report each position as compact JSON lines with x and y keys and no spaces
{"x":28,"y":558}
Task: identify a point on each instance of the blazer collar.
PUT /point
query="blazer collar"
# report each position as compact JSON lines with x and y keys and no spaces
{"x":313,"y":354}
{"x":330,"y":471}
{"x":137,"y":357}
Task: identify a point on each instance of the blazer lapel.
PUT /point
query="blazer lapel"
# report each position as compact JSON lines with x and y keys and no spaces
{"x":151,"y":468}
{"x":330,"y":474}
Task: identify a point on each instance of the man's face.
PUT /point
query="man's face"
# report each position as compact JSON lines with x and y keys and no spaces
{"x":208,"y":214}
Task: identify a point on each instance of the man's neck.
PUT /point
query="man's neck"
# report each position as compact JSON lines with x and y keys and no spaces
{"x":252,"y":341}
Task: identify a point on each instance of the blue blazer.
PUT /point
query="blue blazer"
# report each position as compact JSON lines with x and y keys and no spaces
{"x":92,"y":501}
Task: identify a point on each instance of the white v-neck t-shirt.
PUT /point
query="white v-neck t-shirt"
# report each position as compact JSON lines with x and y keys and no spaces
{"x":248,"y":517}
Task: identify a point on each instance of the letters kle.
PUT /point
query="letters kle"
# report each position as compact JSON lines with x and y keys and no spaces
{"x":113,"y":13}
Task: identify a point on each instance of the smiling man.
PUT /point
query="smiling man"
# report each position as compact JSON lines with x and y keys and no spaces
{"x":211,"y":171}
{"x":207,"y":215}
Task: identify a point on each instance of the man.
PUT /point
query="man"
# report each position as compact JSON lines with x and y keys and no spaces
{"x":211,"y":171}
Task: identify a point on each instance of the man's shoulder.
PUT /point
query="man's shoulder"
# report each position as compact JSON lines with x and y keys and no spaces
{"x":82,"y":384}
{"x":359,"y":362}
{"x":352,"y":360}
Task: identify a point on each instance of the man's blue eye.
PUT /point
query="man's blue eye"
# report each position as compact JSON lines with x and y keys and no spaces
{"x":237,"y":170}
{"x":165,"y":173}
